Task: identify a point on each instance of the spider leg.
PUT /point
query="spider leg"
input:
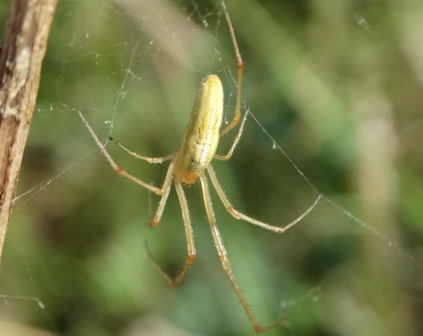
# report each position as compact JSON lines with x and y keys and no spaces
{"x":240,"y":64}
{"x":154,"y":222}
{"x":117,"y":169}
{"x":239,"y":215}
{"x":218,"y":242}
{"x":191,"y":253}
{"x":142,"y":157}
{"x":228,"y":155}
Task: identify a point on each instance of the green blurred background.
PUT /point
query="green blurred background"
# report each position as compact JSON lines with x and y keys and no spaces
{"x":336,"y":84}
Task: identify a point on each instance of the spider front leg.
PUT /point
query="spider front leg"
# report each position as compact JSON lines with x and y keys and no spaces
{"x":154,"y":222}
{"x":218,"y":242}
{"x":189,"y":234}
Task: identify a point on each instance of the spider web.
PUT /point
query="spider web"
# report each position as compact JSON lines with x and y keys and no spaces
{"x":320,"y":123}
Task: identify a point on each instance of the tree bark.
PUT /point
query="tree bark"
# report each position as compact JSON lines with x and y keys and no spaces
{"x":22,"y":52}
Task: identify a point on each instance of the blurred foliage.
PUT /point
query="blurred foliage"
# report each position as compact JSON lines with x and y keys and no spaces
{"x":336,"y":84}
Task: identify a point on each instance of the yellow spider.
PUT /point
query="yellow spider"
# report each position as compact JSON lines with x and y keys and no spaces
{"x":190,"y":163}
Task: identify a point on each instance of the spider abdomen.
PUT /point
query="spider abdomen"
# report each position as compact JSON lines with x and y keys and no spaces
{"x":202,"y":134}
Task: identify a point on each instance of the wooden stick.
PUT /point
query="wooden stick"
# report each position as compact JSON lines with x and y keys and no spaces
{"x":22,"y":52}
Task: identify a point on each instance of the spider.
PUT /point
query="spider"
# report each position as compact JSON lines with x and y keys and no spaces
{"x":190,"y":163}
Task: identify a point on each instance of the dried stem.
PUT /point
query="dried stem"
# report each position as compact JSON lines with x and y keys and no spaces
{"x":22,"y":52}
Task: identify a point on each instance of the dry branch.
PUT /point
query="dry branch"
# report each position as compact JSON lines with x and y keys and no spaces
{"x":23,"y":49}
